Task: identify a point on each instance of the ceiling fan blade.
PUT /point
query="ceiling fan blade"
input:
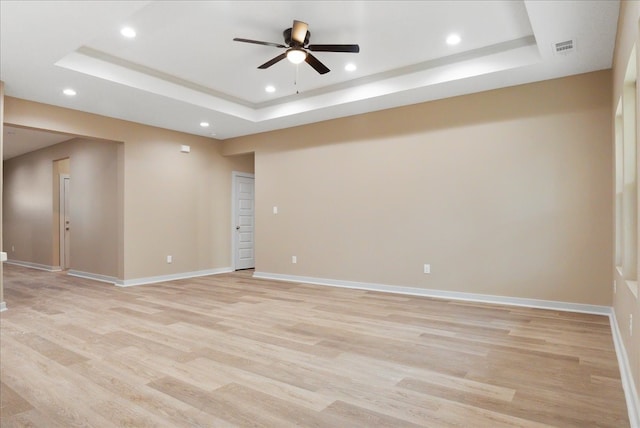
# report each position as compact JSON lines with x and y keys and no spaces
{"x":257,"y":42}
{"x":334,"y":48}
{"x":316,"y":64}
{"x":273,"y":61}
{"x":299,"y":31}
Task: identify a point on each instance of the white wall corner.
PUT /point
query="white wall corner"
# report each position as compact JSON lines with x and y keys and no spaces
{"x":628,"y":384}
{"x":171,"y":277}
{"x":92,"y":276}
{"x":34,"y":265}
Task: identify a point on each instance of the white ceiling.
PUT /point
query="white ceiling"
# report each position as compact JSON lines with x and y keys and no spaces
{"x":184,"y":68}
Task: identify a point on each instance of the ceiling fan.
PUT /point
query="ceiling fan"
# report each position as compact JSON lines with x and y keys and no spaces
{"x":296,"y":41}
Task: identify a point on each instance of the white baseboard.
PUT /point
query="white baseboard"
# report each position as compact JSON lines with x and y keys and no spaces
{"x":440,"y":294}
{"x":3,"y":306}
{"x":171,"y":277}
{"x":93,"y":276}
{"x":34,"y":265}
{"x":630,"y":391}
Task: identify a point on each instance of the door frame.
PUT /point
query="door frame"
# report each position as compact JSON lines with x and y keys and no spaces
{"x":63,"y":256}
{"x":234,"y":190}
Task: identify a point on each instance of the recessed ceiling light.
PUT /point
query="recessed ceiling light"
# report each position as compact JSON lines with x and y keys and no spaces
{"x":350,"y":67}
{"x":453,"y":39}
{"x":270,"y":89}
{"x":204,"y":124}
{"x":69,"y":92}
{"x":128,"y":32}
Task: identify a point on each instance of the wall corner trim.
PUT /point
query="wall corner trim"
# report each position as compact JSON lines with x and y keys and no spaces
{"x":171,"y":277}
{"x":93,"y":276}
{"x":3,"y":306}
{"x":34,"y":265}
{"x":441,"y":294}
{"x":628,"y":385}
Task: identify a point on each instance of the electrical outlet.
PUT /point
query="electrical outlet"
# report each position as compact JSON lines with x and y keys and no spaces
{"x":427,"y":268}
{"x":275,"y":210}
{"x":169,"y":259}
{"x":294,"y":259}
{"x":13,"y":249}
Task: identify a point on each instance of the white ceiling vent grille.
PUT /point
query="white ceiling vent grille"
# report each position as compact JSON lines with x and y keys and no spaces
{"x":564,"y":48}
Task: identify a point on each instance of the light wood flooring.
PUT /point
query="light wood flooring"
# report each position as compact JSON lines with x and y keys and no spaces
{"x":229,"y":350}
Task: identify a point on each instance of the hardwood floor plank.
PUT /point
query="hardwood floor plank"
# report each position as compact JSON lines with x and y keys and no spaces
{"x":285,"y":343}
{"x":462,"y":386}
{"x":457,"y":414}
{"x":359,"y":416}
{"x":528,"y":405}
{"x":253,"y":379}
{"x":29,"y":419}
{"x":166,"y":410}
{"x":119,"y":414}
{"x":48,"y":386}
{"x":203,"y":401}
{"x":11,"y":403}
{"x":124,"y":339}
{"x":50,"y":350}
{"x":162,"y":366}
{"x":267,"y":410}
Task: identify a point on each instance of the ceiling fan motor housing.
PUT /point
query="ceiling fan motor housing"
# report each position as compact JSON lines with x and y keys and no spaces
{"x":293,"y":43}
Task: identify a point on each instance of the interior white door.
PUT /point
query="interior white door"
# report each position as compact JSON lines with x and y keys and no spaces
{"x":244,"y":222}
{"x":65,"y":222}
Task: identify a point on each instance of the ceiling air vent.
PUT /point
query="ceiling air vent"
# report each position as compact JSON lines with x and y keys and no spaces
{"x":564,"y":48}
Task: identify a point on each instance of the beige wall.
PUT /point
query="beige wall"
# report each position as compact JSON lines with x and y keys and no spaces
{"x":624,"y":302}
{"x":30,"y":215}
{"x":178,"y":204}
{"x":494,"y":190}
{"x":505,"y":192}
{"x":173,"y":203}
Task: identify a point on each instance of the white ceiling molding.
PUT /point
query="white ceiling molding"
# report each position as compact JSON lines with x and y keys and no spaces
{"x":183,"y":65}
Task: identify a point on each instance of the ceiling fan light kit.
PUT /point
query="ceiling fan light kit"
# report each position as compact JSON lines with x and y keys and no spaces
{"x":297,"y":44}
{"x":296,"y":55}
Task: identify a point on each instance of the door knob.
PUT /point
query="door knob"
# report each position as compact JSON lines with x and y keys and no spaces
{"x":237,"y":227}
